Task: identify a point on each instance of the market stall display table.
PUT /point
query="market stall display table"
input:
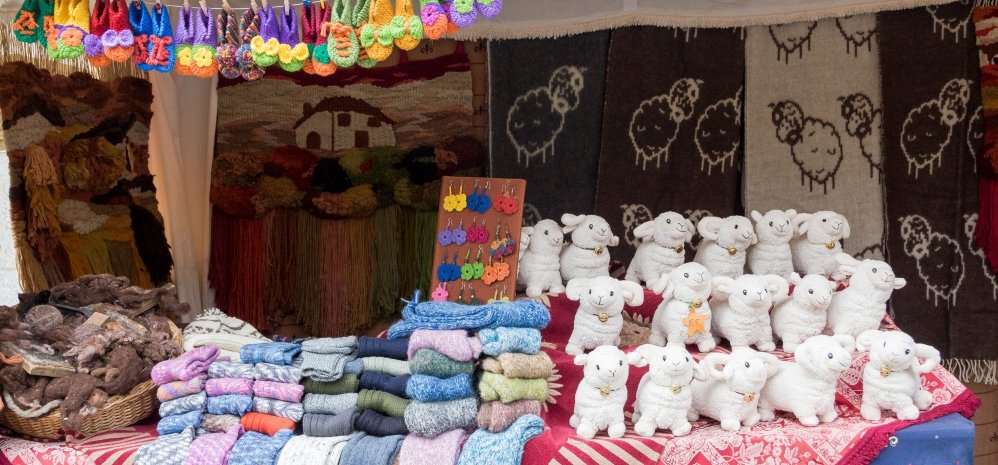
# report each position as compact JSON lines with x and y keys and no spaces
{"x":946,"y":440}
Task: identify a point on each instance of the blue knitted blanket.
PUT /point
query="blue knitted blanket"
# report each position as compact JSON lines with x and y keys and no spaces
{"x":450,"y":315}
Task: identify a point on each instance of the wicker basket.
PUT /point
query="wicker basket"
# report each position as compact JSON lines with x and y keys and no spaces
{"x":119,"y":412}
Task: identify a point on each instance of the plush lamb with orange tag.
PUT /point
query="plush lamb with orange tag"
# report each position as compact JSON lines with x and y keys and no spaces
{"x":599,"y":319}
{"x":684,"y":315}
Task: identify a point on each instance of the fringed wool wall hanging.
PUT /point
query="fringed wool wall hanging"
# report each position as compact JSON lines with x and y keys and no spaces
{"x":82,"y":197}
{"x":324,"y":194}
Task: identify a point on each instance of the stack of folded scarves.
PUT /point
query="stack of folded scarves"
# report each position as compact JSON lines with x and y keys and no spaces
{"x":230,"y":395}
{"x":381,"y":383}
{"x":330,"y":395}
{"x":274,"y":393}
{"x":181,"y":384}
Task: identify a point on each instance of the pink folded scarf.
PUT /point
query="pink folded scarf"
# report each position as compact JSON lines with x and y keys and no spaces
{"x":178,"y":389}
{"x":191,"y":364}
{"x":455,"y":344}
{"x":213,"y":448}
{"x":279,"y":391}
{"x":221,"y":386}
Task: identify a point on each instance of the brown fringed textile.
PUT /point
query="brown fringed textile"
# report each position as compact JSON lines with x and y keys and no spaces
{"x":281,"y":233}
{"x":150,"y":240}
{"x":387,"y":249}
{"x":308,"y":270}
{"x":931,"y":113}
{"x":662,"y":87}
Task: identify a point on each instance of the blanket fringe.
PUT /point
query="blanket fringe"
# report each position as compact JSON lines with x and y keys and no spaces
{"x":973,"y":371}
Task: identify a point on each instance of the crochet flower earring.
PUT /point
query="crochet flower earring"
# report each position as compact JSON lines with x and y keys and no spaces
{"x":478,"y":266}
{"x":484,"y":201}
{"x":376,"y":36}
{"x":468,"y":269}
{"x":446,"y":237}
{"x":72,"y":19}
{"x":203,"y":62}
{"x":434,"y":18}
{"x":227,"y":28}
{"x":405,"y":26}
{"x":183,"y":41}
{"x":291,"y":53}
{"x":361,"y":16}
{"x":118,"y":40}
{"x":138,"y":17}
{"x":249,"y":27}
{"x":459,"y":235}
{"x":266,"y":45}
{"x":100,"y":22}
{"x":27,"y":22}
{"x":462,"y":12}
{"x":440,"y":294}
{"x":161,"y":52}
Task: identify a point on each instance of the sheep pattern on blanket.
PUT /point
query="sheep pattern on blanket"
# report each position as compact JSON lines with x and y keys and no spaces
{"x":601,"y":304}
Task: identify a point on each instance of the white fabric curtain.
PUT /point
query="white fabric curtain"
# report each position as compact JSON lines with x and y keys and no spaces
{"x":181,"y":146}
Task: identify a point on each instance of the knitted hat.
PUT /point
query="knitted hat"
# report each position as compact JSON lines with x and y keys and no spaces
{"x":513,"y":365}
{"x":379,"y":381}
{"x":376,"y":424}
{"x":141,"y":21}
{"x":434,"y":19}
{"x":443,"y":449}
{"x":364,"y":449}
{"x":429,"y":419}
{"x":433,"y":363}
{"x":169,"y":449}
{"x":329,"y":405}
{"x":183,"y":405}
{"x":266,"y":424}
{"x":383,"y":402}
{"x":265,"y":46}
{"x":177,"y":389}
{"x":278,"y":353}
{"x":218,"y":423}
{"x":161,"y":51}
{"x":176,"y":423}
{"x":227,"y":28}
{"x":71,"y":22}
{"x":291,"y":53}
{"x":280,"y":373}
{"x":279,"y":391}
{"x":431,"y":389}
{"x":118,"y":40}
{"x":381,"y":347}
{"x":183,"y":41}
{"x":228,"y":369}
{"x":455,"y":344}
{"x":290,"y":410}
{"x":230,"y":404}
{"x":100,"y":22}
{"x":320,"y":425}
{"x":213,"y":326}
{"x":257,"y":448}
{"x":497,"y":416}
{"x":28,"y":22}
{"x":494,"y":386}
{"x":313,"y":450}
{"x":484,"y":448}
{"x":222,"y":386}
{"x":249,"y":27}
{"x":205,"y":40}
{"x":212,"y":448}
{"x":499,"y":340}
{"x":348,"y":383}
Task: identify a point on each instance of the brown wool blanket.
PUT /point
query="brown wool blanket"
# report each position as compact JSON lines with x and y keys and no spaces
{"x":930,"y":102}
{"x":671,"y":127}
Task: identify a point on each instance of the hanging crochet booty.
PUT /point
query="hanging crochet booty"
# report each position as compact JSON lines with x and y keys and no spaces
{"x":249,"y":28}
{"x":205,"y":41}
{"x":117,"y":40}
{"x":138,"y":17}
{"x":266,"y":45}
{"x":100,"y":22}
{"x":343,"y":46}
{"x":320,"y":61}
{"x":72,"y":20}
{"x":377,"y":35}
{"x":489,"y":8}
{"x":361,"y":15}
{"x":27,"y":25}
{"x":183,"y":41}
{"x":434,"y":19}
{"x":462,"y":12}
{"x":161,"y":51}
{"x":46,"y":11}
{"x":291,"y":54}
{"x":309,"y":34}
{"x":406,"y":26}
{"x":227,"y":28}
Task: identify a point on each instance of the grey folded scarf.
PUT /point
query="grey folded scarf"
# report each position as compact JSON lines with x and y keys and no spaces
{"x":278,"y":373}
{"x":323,"y":359}
{"x":291,"y":410}
{"x":428,"y":419}
{"x":322,"y":425}
{"x":183,"y":405}
{"x":329,"y":404}
{"x":226,"y":369}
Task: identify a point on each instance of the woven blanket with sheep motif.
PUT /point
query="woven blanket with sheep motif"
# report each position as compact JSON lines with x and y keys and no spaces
{"x":848,"y":440}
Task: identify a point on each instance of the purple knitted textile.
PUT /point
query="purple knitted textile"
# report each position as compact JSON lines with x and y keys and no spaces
{"x":268,"y":23}
{"x":212,"y":448}
{"x":178,"y":389}
{"x":455,"y":343}
{"x":289,"y":27}
{"x":205,"y":33}
{"x":222,"y":386}
{"x":190,"y":364}
{"x":279,"y":391}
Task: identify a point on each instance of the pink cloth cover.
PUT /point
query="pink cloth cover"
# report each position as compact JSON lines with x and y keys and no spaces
{"x":279,"y":391}
{"x":455,"y":344}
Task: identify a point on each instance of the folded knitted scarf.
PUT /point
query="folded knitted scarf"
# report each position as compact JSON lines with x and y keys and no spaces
{"x":290,"y":410}
{"x":266,"y":424}
{"x":168,"y":449}
{"x":279,"y":373}
{"x":278,"y":391}
{"x":513,"y":365}
{"x":429,"y":419}
{"x":451,"y":315}
{"x":218,"y":423}
{"x":230,"y":404}
{"x":178,"y":389}
{"x":432,"y":363}
{"x":379,"y":381}
{"x":385,"y":365}
{"x":364,"y":449}
{"x":493,"y":386}
{"x":376,"y":424}
{"x":278,"y":353}
{"x":323,"y":358}
{"x":214,"y":327}
{"x":441,"y":450}
{"x":485,"y":448}
{"x":320,"y":425}
{"x":227,"y":369}
{"x":380,"y":401}
{"x":496,"y":416}
{"x":257,"y":448}
{"x":432,"y":389}
{"x":188,"y":365}
{"x":348,"y":383}
{"x":177,"y":423}
{"x":381,"y":347}
{"x":329,"y":405}
{"x":212,"y":448}
{"x":183,"y":405}
{"x":353,"y":367}
{"x":520,"y":340}
{"x":221,"y":386}
{"x":455,"y":344}
{"x":307,"y":450}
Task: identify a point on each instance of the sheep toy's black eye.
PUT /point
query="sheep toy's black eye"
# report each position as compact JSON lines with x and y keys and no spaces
{"x":770,"y":224}
{"x":747,"y":365}
{"x":597,"y":367}
{"x":668,"y":221}
{"x":546,"y":233}
{"x":907,"y":351}
{"x":687,"y":359}
{"x":590,"y":292}
{"x":829,"y":355}
{"x":744,"y":292}
{"x":810,"y":291}
{"x":686,"y":275}
{"x":874,"y":270}
{"x":611,"y":293}
{"x":824,"y":220}
{"x":621,"y":362}
{"x":590,"y":226}
{"x":663,"y":358}
{"x":736,"y":226}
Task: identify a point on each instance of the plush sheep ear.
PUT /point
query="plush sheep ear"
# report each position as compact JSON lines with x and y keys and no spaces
{"x":581,"y":359}
{"x":778,"y":287}
{"x":698,"y":373}
{"x":899,"y":283}
{"x":664,"y":287}
{"x":525,"y":233}
{"x":845,"y":228}
{"x":640,"y":356}
{"x":709,"y":227}
{"x":723,"y":287}
{"x":614,"y":241}
{"x":802,"y":354}
{"x":645,"y":230}
{"x":690,"y":230}
{"x":800,"y":222}
{"x":756,"y":216}
{"x":795,"y":278}
{"x":571,"y":222}
{"x":846,"y":341}
{"x":634,"y":294}
{"x":575,"y":286}
{"x":772,"y":363}
{"x":755,"y":238}
{"x":714,"y":364}
{"x":868,"y":339}
{"x":791,"y":213}
{"x":931,"y":356}
{"x":847,"y":264}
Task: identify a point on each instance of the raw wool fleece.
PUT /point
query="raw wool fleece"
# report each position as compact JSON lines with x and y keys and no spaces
{"x":771,"y":255}
{"x":673,"y":132}
{"x":862,"y":305}
{"x":806,"y":386}
{"x":662,"y":247}
{"x":599,"y":318}
{"x":953,"y":291}
{"x":811,"y":251}
{"x":587,"y":255}
{"x":680,"y":291}
{"x":731,"y":392}
{"x":600,"y":397}
{"x":664,"y":396}
{"x":892,"y":377}
{"x":725,"y":244}
{"x":805,"y":313}
{"x":813,"y":115}
{"x":540,"y":258}
{"x":741,"y":309}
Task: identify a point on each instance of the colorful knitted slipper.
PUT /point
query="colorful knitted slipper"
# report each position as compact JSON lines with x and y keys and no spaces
{"x":138,"y":16}
{"x":72,"y":19}
{"x":100,"y":22}
{"x":313,"y":24}
{"x":343,"y":45}
{"x":406,"y":27}
{"x":205,"y":40}
{"x":183,"y":41}
{"x":291,"y":53}
{"x":28,"y":22}
{"x":489,"y":8}
{"x":227,"y":28}
{"x":117,"y":40}
{"x":266,"y":45}
{"x":462,"y":12}
{"x":377,"y":35}
{"x":361,"y":14}
{"x":162,"y":54}
{"x":249,"y":28}
{"x":308,"y":32}
{"x":434,"y":18}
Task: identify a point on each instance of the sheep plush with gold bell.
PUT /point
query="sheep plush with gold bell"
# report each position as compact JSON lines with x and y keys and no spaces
{"x":602,"y":393}
{"x":725,"y":244}
{"x":588,"y":254}
{"x":599,"y":319}
{"x":892,"y":379}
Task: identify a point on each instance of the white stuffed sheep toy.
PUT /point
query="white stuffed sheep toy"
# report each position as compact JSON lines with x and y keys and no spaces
{"x":684,"y":316}
{"x":724,"y":245}
{"x":741,"y":309}
{"x":602,"y":393}
{"x":662,"y":247}
{"x":599,"y":319}
{"x":862,"y":305}
{"x":588,"y":255}
{"x":805,"y":313}
{"x":540,"y":258}
{"x":892,"y":378}
{"x":733,"y":386}
{"x":664,"y":395}
{"x":772,"y":254}
{"x":814,"y":250}
{"x":806,"y":386}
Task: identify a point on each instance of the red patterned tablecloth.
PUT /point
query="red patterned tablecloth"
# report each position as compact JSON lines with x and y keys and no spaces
{"x":849,"y":440}
{"x":111,"y":448}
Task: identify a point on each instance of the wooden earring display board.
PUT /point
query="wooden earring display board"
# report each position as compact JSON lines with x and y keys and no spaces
{"x":475,"y":290}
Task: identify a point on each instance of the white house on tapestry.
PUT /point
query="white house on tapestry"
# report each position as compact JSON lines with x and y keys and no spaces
{"x":337,"y":123}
